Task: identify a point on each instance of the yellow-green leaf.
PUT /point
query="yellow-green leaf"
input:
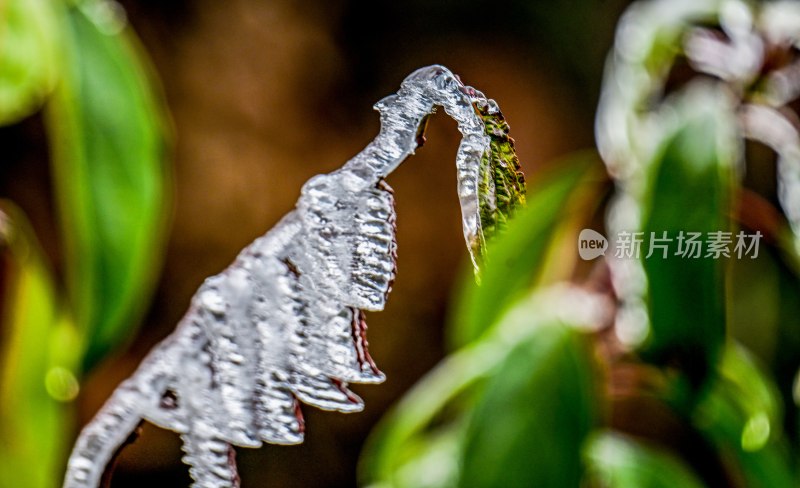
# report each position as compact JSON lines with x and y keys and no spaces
{"x":29,"y":36}
{"x":37,"y":360}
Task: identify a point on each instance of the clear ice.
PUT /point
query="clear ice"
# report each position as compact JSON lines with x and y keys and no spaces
{"x":284,"y":323}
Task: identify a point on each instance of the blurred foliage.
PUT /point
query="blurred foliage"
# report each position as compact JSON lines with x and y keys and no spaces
{"x":741,"y":416}
{"x":28,"y":70}
{"x":36,"y":371}
{"x":502,"y":444}
{"x":532,"y":393}
{"x":81,"y":65}
{"x":614,"y":459}
{"x":693,"y":170}
{"x":475,"y":419}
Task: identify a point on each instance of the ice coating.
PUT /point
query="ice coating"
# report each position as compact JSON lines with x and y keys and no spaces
{"x":284,"y":323}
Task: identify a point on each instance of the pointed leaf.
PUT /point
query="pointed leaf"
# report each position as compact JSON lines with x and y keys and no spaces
{"x":501,"y":184}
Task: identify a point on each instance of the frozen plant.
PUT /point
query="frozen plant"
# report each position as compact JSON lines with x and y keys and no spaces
{"x":285,"y":322}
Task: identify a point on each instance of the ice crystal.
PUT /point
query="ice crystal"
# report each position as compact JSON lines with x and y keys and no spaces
{"x":284,"y":323}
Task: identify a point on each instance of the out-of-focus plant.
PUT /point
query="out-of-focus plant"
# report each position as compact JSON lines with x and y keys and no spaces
{"x":79,"y":64}
{"x":653,"y":369}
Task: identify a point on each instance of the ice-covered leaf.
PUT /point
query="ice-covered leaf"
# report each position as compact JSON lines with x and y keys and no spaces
{"x":284,"y":323}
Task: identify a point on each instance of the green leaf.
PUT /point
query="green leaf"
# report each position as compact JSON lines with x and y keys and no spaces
{"x":531,"y":421}
{"x":38,"y":355}
{"x":108,"y":136}
{"x":741,"y":416}
{"x":689,"y":189}
{"x":518,"y":257}
{"x":29,"y":36}
{"x":618,"y":461}
{"x":501,"y":184}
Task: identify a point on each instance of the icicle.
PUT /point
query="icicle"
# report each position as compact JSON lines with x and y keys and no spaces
{"x":284,"y":322}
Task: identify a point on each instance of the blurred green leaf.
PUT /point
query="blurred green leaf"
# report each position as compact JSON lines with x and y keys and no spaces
{"x":433,"y":417}
{"x":754,"y":304}
{"x":29,"y":38}
{"x":429,"y":421}
{"x":690,"y":185}
{"x":778,"y":318}
{"x":430,"y":460}
{"x":38,"y":356}
{"x":518,"y":258}
{"x":530,"y":423}
{"x":618,"y":461}
{"x":786,"y":361}
{"x":741,"y":416}
{"x":765,"y":315}
{"x":406,"y":436}
{"x":107,"y":128}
